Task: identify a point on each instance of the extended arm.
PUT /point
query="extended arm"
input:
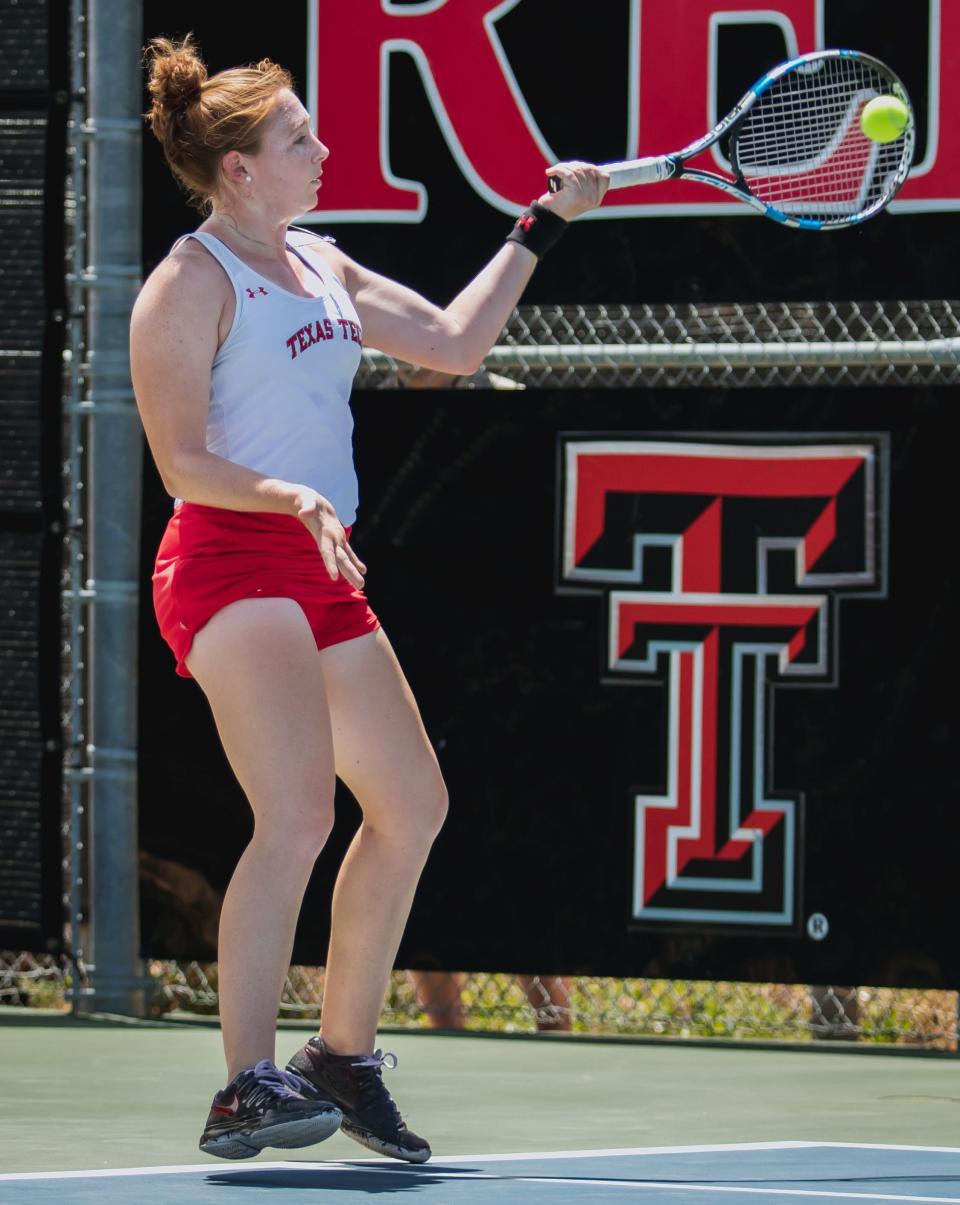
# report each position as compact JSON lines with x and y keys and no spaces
{"x":455,"y":339}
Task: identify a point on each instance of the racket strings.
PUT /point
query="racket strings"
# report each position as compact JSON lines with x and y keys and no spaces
{"x":801,"y":148}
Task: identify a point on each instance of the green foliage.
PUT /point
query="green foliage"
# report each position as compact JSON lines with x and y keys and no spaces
{"x":499,"y":1003}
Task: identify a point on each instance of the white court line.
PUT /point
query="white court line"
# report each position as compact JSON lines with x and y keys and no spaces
{"x":659,"y":1185}
{"x":613,"y":1152}
{"x":514,"y":1157}
{"x":509,"y":1157}
{"x":710,"y":1148}
{"x":884,"y":1146}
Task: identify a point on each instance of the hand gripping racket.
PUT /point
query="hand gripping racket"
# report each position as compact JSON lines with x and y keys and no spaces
{"x":796,"y":149}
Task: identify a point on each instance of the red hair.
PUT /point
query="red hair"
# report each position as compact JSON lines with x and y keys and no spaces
{"x":199,"y":118}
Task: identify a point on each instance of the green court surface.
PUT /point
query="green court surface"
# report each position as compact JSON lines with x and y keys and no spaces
{"x":110,"y":1093}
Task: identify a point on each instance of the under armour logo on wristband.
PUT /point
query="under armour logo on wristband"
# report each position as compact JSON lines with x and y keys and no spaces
{"x":537,"y":229}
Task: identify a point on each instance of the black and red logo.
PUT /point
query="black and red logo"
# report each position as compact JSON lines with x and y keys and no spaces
{"x":722,"y":566}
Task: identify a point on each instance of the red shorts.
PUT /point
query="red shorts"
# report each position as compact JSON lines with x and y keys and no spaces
{"x":210,"y":557}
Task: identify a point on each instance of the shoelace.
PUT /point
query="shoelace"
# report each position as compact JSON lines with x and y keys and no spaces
{"x":373,"y":1091}
{"x":378,"y":1060}
{"x":271,"y":1081}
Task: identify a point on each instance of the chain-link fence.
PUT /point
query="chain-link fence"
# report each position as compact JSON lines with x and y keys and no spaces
{"x":720,"y":346}
{"x":33,"y":980}
{"x":577,"y":1004}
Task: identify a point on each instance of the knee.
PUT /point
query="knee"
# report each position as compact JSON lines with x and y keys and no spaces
{"x":415,"y":816}
{"x":314,"y":835}
{"x":434,"y":807}
{"x":301,"y":832}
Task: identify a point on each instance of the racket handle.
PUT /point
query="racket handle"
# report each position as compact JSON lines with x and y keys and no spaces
{"x":633,"y":171}
{"x":650,"y":170}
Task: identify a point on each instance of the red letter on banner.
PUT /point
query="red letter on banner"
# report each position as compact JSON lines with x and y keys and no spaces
{"x":936,"y":185}
{"x":674,"y":105}
{"x":469,"y":84}
{"x":497,"y":144}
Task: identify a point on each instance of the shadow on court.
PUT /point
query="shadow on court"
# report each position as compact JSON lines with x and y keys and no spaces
{"x":362,"y":1180}
{"x":394,"y":1179}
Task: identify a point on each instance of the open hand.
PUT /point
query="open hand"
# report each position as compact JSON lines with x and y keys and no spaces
{"x":320,"y":519}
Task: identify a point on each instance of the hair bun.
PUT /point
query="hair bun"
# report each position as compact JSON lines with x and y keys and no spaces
{"x":177,"y":75}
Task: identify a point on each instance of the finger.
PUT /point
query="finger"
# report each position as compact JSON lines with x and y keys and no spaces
{"x":576,"y":178}
{"x":567,"y":165}
{"x":355,"y":559}
{"x":349,"y":570}
{"x":354,"y":578}
{"x":558,"y":176}
{"x":587,"y":177}
{"x":328,"y":551}
{"x":595,"y":176}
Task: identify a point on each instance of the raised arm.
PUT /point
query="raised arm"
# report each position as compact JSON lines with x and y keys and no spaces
{"x":455,"y":339}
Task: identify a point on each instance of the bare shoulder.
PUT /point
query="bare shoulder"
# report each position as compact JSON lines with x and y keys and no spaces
{"x":188,"y":284}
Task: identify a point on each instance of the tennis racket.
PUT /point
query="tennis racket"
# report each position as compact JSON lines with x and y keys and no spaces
{"x":796,"y":150}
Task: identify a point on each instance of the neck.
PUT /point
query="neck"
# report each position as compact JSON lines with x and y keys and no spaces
{"x":251,"y":234}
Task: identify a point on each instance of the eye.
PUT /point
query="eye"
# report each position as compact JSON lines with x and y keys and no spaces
{"x":300,"y":139}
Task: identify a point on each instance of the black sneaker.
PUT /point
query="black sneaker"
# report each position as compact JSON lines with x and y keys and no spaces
{"x":265,"y":1106}
{"x":354,"y":1082}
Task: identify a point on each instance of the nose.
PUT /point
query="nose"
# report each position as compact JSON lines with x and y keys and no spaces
{"x":322,"y":150}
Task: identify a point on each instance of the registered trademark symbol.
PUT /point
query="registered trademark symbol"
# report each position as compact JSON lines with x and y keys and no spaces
{"x":817,"y":926}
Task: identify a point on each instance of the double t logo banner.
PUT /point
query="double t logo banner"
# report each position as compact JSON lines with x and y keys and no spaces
{"x":722,"y":567}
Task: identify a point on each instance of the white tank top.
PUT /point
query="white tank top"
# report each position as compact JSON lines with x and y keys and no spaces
{"x":280,"y":392}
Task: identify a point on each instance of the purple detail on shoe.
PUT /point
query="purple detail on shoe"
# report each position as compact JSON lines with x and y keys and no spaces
{"x":284,"y":1084}
{"x":378,"y":1059}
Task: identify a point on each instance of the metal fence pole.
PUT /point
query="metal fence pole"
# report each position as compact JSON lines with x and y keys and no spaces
{"x":115,"y":449}
{"x":74,"y":438}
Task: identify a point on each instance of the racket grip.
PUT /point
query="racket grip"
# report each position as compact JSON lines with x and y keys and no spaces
{"x":650,"y":170}
{"x":630,"y":172}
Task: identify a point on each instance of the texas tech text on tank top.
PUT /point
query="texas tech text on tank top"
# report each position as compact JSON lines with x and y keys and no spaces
{"x":280,"y":391}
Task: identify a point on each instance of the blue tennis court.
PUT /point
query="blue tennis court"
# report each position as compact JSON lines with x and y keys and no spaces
{"x":771,"y":1171}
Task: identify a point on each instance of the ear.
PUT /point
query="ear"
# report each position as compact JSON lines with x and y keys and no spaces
{"x":233,"y":168}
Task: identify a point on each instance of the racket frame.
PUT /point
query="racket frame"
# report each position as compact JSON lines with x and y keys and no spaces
{"x":654,"y":168}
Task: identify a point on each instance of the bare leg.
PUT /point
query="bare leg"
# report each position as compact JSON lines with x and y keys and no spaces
{"x":549,"y":997}
{"x":384,"y":756}
{"x":257,"y":663}
{"x":438,"y":994}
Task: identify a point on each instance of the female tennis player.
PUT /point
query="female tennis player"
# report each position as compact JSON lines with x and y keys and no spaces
{"x":244,"y":343}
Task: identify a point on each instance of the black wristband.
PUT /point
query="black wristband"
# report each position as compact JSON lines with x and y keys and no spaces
{"x":537,"y":229}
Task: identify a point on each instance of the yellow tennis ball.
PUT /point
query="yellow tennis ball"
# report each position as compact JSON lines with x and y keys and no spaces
{"x":884,"y":118}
